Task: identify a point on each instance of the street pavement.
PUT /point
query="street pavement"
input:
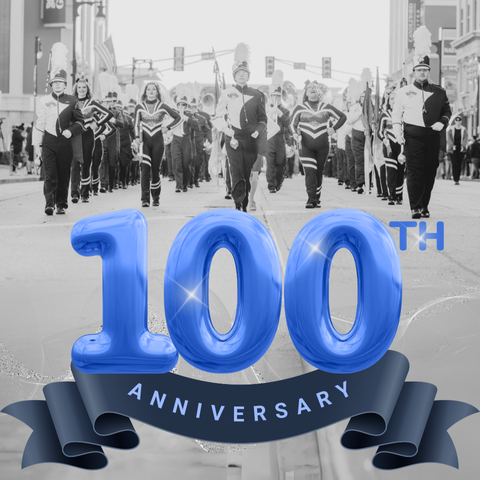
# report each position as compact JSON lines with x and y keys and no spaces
{"x":50,"y":296}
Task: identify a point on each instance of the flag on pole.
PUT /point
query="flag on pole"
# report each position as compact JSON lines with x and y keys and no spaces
{"x":377,"y":100}
{"x":107,"y":54}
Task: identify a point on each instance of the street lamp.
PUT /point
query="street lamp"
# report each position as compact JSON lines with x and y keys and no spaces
{"x":151,"y":71}
{"x":100,"y":15}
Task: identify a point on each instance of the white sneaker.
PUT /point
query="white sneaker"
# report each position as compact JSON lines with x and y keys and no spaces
{"x":253,"y":206}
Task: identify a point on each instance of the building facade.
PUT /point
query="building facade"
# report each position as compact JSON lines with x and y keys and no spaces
{"x":28,"y":29}
{"x":467,"y":46}
{"x":405,"y":17}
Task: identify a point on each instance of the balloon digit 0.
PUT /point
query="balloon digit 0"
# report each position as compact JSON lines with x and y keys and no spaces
{"x":259,"y":291}
{"x":379,"y":282}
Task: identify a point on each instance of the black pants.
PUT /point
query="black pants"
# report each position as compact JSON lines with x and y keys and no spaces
{"x":96,"y":160}
{"x":241,"y":161}
{"x":313,"y":162}
{"x":342,"y":166}
{"x":457,"y":159}
{"x":395,"y":172}
{"x":152,"y":154}
{"x":198,"y":160}
{"x":181,"y":158}
{"x":422,"y":146}
{"x":88,"y":144}
{"x":350,"y":163}
{"x":57,"y":158}
{"x":358,"y":147}
{"x":276,"y":159}
{"x":75,"y":176}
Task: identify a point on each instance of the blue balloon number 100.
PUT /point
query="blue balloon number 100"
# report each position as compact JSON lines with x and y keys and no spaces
{"x":126,"y":346}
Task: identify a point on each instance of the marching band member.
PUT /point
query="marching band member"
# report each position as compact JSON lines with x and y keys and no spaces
{"x":149,"y":116}
{"x":95,"y":116}
{"x":201,"y":135}
{"x":127,"y":135}
{"x":309,"y":122}
{"x":204,"y":173}
{"x":182,"y":145}
{"x":391,"y":152}
{"x":58,"y":119}
{"x":245,"y":108}
{"x":276,"y":150}
{"x":425,"y":111}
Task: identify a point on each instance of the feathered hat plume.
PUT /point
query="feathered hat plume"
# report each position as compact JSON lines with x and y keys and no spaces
{"x":277,"y":83}
{"x":241,"y":58}
{"x":58,"y":63}
{"x":366,"y":79}
{"x":182,"y":93}
{"x":104,"y":82}
{"x":132,"y":92}
{"x":422,"y":40}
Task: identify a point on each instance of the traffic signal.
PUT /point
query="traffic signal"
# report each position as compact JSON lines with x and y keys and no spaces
{"x":327,"y":67}
{"x":269,"y":66}
{"x":178,"y":59}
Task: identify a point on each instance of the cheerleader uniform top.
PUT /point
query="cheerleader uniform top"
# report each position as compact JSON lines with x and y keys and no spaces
{"x":150,"y":115}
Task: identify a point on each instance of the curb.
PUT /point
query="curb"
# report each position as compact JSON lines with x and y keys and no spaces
{"x":19,"y":179}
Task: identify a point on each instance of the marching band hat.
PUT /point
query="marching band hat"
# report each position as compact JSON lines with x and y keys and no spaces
{"x":241,"y":59}
{"x":422,"y":42}
{"x":59,"y":76}
{"x":58,"y":63}
{"x":183,"y":99}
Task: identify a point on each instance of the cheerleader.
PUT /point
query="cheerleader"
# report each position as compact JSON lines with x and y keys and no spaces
{"x":149,"y":116}
{"x":95,"y":116}
{"x":309,"y":123}
{"x":391,"y":152}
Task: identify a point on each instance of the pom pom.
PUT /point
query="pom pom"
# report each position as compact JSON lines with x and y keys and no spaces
{"x":422,"y":40}
{"x":242,"y":53}
{"x":277,"y":78}
{"x":59,"y":58}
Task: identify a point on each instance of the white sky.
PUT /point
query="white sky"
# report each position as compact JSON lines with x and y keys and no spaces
{"x":354,"y":33}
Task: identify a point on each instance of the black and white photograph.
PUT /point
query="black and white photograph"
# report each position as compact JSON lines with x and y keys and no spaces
{"x":274,"y":118}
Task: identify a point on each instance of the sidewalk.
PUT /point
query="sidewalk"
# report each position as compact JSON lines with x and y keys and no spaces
{"x":19,"y":176}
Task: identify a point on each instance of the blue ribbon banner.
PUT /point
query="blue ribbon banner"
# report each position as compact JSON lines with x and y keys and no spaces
{"x":402,"y":419}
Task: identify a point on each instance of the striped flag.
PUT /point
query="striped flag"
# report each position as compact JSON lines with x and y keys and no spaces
{"x":107,"y":54}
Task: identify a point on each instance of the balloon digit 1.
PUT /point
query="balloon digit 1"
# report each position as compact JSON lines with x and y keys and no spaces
{"x":307,"y":295}
{"x":259,"y":291}
{"x":124,"y":345}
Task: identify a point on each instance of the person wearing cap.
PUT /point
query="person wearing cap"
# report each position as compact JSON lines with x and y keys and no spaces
{"x":310,"y":123}
{"x":150,"y":114}
{"x":423,"y":110}
{"x":58,"y":119}
{"x":457,"y":141}
{"x":391,"y":151}
{"x":276,"y":145}
{"x":201,"y":135}
{"x":183,"y":148}
{"x":208,"y":140}
{"x":111,"y":147}
{"x":247,"y":118}
{"x":95,"y":116}
{"x":127,"y":135}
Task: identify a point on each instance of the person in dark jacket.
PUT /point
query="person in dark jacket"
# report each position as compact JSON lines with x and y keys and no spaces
{"x":245,"y":110}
